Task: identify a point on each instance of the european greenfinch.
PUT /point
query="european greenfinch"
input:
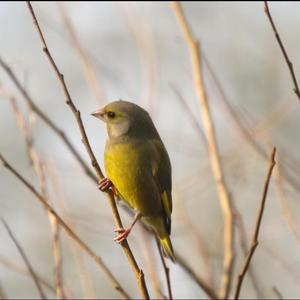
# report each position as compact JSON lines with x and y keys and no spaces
{"x":138,"y":169}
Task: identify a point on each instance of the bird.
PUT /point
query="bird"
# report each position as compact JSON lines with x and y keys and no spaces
{"x":138,"y":169}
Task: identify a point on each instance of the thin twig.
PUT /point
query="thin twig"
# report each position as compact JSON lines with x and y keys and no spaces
{"x":68,"y":230}
{"x":282,"y":48}
{"x":125,"y":246}
{"x":257,"y":226}
{"x":26,"y":261}
{"x":166,"y":269}
{"x":12,"y":266}
{"x":33,"y":106}
{"x":38,"y":168}
{"x":61,"y":134}
{"x":83,"y":274}
{"x":244,"y":132}
{"x":213,"y":151}
{"x":244,"y":245}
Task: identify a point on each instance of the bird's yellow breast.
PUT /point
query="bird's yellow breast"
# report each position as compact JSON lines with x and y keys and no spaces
{"x":125,"y":164}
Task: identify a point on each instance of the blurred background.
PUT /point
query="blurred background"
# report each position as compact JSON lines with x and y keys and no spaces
{"x":136,"y":51}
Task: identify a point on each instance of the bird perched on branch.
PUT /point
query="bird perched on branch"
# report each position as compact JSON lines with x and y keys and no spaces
{"x":138,"y":169}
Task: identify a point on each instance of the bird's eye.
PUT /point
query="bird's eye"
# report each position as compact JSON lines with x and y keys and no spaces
{"x":111,"y":114}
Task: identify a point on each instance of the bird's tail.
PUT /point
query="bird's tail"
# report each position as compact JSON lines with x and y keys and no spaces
{"x":167,"y":247}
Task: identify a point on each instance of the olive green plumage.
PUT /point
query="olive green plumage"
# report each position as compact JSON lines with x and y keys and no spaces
{"x":138,"y":165}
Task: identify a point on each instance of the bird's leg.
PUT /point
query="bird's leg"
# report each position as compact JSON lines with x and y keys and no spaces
{"x":105,"y":184}
{"x":124,"y":232}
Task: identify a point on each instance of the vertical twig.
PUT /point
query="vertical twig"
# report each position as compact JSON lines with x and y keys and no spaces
{"x":125,"y":246}
{"x":282,"y":48}
{"x":213,"y":150}
{"x":257,"y":226}
{"x":26,"y":260}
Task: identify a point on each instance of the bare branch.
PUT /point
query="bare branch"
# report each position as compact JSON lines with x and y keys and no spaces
{"x":26,"y":260}
{"x":32,"y":105}
{"x":39,"y":170}
{"x":225,"y":201}
{"x":125,"y":246}
{"x":68,"y":230}
{"x":257,"y":226}
{"x":282,"y":48}
{"x":166,"y":269}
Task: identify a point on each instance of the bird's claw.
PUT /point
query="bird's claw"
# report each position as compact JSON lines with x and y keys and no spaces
{"x":123,"y":234}
{"x":104,"y":184}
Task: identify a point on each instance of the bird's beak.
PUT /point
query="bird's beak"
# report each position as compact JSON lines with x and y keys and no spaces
{"x":99,"y":114}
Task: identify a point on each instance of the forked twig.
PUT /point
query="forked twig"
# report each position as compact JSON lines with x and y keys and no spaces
{"x":282,"y":48}
{"x":125,"y":246}
{"x":257,"y":226}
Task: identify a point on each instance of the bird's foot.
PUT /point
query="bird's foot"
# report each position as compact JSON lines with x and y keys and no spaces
{"x":105,"y":184}
{"x":123,"y":234}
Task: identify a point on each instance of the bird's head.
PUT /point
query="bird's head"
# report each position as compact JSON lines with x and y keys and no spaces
{"x":125,"y":118}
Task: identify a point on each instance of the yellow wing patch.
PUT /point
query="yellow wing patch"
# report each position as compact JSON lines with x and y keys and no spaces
{"x":166,"y":203}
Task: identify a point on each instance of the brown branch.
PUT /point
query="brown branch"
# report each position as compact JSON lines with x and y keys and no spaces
{"x":244,"y":132}
{"x":213,"y":151}
{"x":68,"y":230}
{"x":166,"y":269}
{"x":39,"y":170}
{"x":245,"y":247}
{"x":83,"y":274}
{"x":61,"y":134}
{"x":32,"y":105}
{"x":282,"y":48}
{"x":26,"y":261}
{"x":125,"y":246}
{"x":257,"y":226}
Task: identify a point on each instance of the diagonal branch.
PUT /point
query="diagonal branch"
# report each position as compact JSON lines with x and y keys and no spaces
{"x":33,"y":106}
{"x":68,"y":230}
{"x":26,"y":260}
{"x":125,"y":246}
{"x":282,"y":48}
{"x":39,"y":170}
{"x":213,"y":150}
{"x":257,"y":226}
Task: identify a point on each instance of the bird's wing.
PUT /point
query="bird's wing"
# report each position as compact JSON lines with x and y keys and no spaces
{"x":162,"y":173}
